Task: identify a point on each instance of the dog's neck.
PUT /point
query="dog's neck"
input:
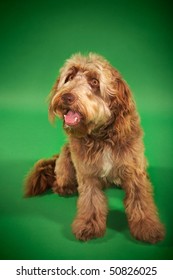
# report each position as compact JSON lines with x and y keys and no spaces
{"x":105,"y":133}
{"x":118,"y":131}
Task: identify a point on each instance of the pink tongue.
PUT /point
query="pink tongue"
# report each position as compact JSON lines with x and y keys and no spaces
{"x":72,"y":118}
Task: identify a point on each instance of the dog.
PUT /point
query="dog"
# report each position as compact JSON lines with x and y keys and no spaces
{"x":105,"y":147}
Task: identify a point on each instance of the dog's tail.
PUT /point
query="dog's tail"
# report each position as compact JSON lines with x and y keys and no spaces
{"x":41,"y":177}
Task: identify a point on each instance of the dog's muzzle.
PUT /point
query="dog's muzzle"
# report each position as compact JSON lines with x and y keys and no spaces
{"x":64,"y":104}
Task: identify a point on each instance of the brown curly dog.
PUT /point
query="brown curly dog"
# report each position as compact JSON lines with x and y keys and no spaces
{"x":105,"y":147}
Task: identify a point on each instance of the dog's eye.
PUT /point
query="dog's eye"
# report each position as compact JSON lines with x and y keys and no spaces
{"x":69,"y":78}
{"x":94,"y":82}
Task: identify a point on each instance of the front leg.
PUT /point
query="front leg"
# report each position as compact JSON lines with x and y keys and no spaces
{"x":92,"y":210}
{"x":141,"y":211}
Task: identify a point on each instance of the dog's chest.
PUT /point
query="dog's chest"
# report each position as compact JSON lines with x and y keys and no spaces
{"x":106,"y":163}
{"x":96,"y":161}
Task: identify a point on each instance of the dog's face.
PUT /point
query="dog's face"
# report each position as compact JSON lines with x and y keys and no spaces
{"x":86,"y":94}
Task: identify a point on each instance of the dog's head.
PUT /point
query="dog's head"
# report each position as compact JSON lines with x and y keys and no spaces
{"x":88,"y":94}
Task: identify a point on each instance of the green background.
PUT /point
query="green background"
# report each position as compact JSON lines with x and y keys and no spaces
{"x":36,"y":37}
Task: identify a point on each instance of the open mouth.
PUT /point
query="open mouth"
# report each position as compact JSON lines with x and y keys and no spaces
{"x":72,"y":118}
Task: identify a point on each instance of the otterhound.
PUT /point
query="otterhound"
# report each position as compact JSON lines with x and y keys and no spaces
{"x":105,"y":147}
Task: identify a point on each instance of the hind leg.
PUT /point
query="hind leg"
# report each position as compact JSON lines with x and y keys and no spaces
{"x":65,"y":182}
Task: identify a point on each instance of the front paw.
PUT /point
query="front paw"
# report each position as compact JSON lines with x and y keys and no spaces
{"x":148,"y":231}
{"x":64,"y":190}
{"x":88,"y":229}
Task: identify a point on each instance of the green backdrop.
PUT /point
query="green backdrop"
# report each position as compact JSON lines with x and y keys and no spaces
{"x":36,"y":37}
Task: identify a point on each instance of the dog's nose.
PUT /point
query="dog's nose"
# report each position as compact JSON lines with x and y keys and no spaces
{"x":68,"y":98}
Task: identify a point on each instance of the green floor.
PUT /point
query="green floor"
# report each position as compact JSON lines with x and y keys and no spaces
{"x":36,"y":38}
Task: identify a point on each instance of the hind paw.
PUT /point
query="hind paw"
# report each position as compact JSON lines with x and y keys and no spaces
{"x":64,"y":190}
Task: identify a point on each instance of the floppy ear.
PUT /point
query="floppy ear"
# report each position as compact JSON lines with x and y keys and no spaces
{"x":123,"y":106}
{"x":50,"y":97}
{"x":123,"y":97}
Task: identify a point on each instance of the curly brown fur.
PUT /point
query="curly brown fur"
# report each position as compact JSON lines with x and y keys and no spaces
{"x":105,"y":146}
{"x":66,"y":182}
{"x":41,"y":177}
